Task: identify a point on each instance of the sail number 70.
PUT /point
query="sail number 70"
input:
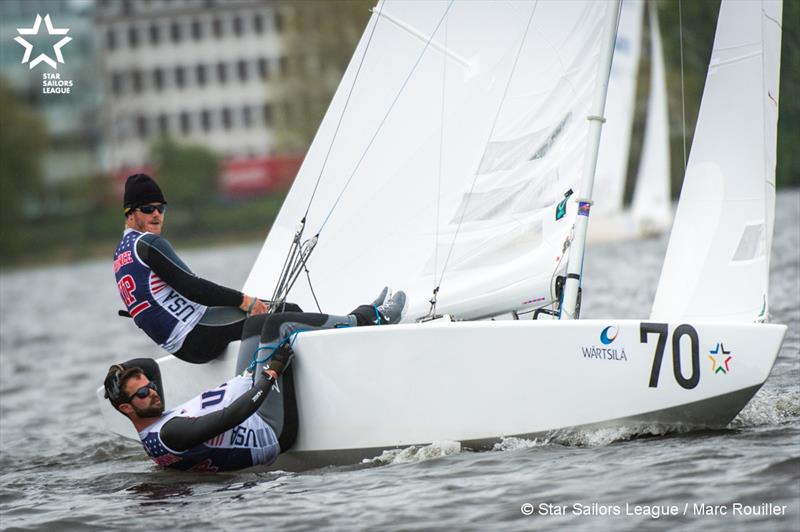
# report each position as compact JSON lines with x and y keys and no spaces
{"x":662,"y":330}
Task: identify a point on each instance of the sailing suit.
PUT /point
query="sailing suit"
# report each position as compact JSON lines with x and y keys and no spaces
{"x":190,"y":317}
{"x":222,"y":429}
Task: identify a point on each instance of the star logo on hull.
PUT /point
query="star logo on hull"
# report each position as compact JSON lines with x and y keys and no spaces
{"x":34,"y":30}
{"x":723,"y":364}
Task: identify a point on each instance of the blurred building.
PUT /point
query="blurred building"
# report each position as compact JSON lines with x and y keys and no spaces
{"x":198,"y":71}
{"x":70,"y":119}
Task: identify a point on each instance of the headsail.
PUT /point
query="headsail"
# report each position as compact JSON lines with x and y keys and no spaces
{"x":717,"y":262}
{"x":462,"y":127}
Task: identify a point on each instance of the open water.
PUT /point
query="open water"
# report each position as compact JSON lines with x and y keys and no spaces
{"x":62,"y":471}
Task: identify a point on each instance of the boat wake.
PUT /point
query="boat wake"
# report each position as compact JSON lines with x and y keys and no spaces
{"x":768,"y":407}
{"x":415,"y":453}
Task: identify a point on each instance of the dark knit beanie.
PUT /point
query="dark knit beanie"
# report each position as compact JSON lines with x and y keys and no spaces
{"x":140,"y":189}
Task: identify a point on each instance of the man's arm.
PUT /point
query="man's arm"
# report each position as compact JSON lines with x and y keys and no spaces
{"x":182,"y":433}
{"x":157,"y":253}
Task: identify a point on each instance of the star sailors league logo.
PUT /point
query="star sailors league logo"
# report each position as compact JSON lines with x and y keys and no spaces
{"x":720,"y":359}
{"x":52,"y":83}
{"x":34,"y":30}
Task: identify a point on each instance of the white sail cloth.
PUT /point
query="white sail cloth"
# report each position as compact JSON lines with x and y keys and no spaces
{"x":462,"y":127}
{"x":717,"y":262}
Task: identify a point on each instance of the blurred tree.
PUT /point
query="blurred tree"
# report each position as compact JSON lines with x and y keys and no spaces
{"x":187,"y":173}
{"x":22,"y":143}
{"x":788,"y":171}
{"x":318,"y":41}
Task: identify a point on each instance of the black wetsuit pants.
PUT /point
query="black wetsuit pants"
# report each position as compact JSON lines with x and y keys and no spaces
{"x":218,"y":327}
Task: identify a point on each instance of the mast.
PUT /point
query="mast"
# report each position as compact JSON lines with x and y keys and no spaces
{"x":596,"y":119}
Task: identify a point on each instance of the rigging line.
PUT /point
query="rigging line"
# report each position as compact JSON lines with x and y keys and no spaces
{"x":441,"y":166}
{"x":311,"y":287}
{"x":385,"y":116}
{"x":341,"y":117}
{"x":683,"y":97}
{"x":491,"y":132}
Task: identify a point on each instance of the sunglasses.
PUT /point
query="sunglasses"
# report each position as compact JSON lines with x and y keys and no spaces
{"x":150,"y":209}
{"x":144,"y":391}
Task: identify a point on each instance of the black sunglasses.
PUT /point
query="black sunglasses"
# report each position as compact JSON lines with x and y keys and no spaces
{"x":144,"y":391}
{"x":150,"y":209}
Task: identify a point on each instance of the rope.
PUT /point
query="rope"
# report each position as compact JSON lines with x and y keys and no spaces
{"x":683,"y":98}
{"x":341,"y":117}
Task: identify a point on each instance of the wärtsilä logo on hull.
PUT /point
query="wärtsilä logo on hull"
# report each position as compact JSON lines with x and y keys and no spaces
{"x":604,"y":352}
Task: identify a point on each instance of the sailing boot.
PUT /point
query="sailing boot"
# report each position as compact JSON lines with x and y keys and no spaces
{"x":383,"y":311}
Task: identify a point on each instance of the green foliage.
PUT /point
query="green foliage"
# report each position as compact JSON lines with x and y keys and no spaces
{"x":187,"y":173}
{"x":22,"y":143}
{"x":788,"y":170}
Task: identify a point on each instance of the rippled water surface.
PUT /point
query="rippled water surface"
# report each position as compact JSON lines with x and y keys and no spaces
{"x":62,"y":470}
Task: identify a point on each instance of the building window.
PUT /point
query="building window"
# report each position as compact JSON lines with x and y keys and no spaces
{"x":136,"y":80}
{"x":205,"y":120}
{"x":116,"y":83}
{"x":175,"y":32}
{"x":111,"y":39}
{"x":247,"y":116}
{"x":267,"y":114}
{"x":222,"y":73}
{"x":226,"y":118}
{"x":283,"y":65}
{"x":200,"y":74}
{"x":133,"y":37}
{"x":155,"y":34}
{"x":163,"y":124}
{"x":186,"y":123}
{"x":241,"y":68}
{"x":258,"y":23}
{"x":278,"y":22}
{"x":197,"y":30}
{"x":158,"y":79}
{"x":180,"y":76}
{"x":263,"y":68}
{"x":216,"y":25}
{"x":141,"y":126}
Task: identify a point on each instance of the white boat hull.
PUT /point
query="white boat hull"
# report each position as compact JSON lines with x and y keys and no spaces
{"x":363,"y":390}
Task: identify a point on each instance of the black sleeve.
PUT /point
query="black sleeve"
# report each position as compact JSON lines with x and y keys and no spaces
{"x":182,"y":433}
{"x":157,"y":253}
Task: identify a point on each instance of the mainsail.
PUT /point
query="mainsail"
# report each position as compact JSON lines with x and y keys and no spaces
{"x":717,"y":261}
{"x":455,"y":132}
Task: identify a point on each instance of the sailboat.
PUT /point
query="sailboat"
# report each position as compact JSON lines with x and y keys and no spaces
{"x":650,"y":213}
{"x":456,"y":162}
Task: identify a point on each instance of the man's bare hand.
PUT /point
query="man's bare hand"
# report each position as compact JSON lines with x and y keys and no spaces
{"x":253,"y":305}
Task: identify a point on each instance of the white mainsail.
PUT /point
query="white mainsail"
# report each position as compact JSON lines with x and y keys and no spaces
{"x":465,"y":127}
{"x":717,"y":262}
{"x":651,"y":207}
